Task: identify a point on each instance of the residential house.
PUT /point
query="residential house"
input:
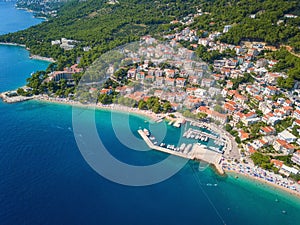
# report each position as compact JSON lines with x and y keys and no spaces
{"x":240,"y":98}
{"x":296,"y":123}
{"x":283,"y":146}
{"x":270,"y":90}
{"x":149,"y":78}
{"x":131,"y":73}
{"x":137,"y":96}
{"x":218,"y":76}
{"x":288,"y":102}
{"x":296,"y":157}
{"x":170,"y":81}
{"x":261,"y":63}
{"x":277,"y":163}
{"x":158,"y":93}
{"x":159,"y":81}
{"x":286,"y":170}
{"x":222,"y":118}
{"x":194,"y":80}
{"x":158,"y":73}
{"x":250,"y":118}
{"x":206,"y":82}
{"x":191,"y":91}
{"x":243,"y":135}
{"x":229,"y":84}
{"x":74,"y":69}
{"x":287,"y":136}
{"x":169,"y":73}
{"x":230,"y":106}
{"x":180,"y":82}
{"x":296,"y":114}
{"x":268,"y":130}
{"x":124,"y":90}
{"x":225,"y":71}
{"x":237,"y":117}
{"x":106,"y":91}
{"x":192,"y":102}
{"x":272,"y":77}
{"x":140,"y":76}
{"x":181,"y":96}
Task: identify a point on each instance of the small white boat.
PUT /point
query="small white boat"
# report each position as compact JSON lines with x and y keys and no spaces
{"x":146,"y":132}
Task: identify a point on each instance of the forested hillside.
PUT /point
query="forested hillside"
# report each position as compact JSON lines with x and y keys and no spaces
{"x":41,"y":7}
{"x":100,"y":25}
{"x":103,"y":25}
{"x":261,"y":20}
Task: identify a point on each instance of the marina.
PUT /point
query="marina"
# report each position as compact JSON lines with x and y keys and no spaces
{"x":169,"y":150}
{"x":205,"y":137}
{"x":194,"y":151}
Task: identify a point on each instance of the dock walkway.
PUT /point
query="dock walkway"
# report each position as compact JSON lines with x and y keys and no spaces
{"x":162,"y":149}
{"x":198,"y":152}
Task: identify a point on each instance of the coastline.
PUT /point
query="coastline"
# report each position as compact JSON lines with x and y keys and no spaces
{"x":271,"y":185}
{"x":12,"y":44}
{"x":113,"y":107}
{"x":36,"y":57}
{"x":32,"y":12}
{"x":155,"y":117}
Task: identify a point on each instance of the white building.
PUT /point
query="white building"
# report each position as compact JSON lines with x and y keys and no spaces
{"x":296,"y":157}
{"x":287,"y":136}
{"x":288,"y":170}
{"x":227,"y":28}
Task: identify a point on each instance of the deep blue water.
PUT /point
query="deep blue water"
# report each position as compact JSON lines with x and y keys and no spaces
{"x":13,"y":20}
{"x":45,"y":180}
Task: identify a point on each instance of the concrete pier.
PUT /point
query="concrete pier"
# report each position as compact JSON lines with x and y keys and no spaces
{"x":162,"y":149}
{"x":198,"y":152}
{"x":204,"y":154}
{"x":12,"y":97}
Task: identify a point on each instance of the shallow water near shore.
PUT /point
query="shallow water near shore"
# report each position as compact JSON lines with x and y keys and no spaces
{"x":45,"y":180}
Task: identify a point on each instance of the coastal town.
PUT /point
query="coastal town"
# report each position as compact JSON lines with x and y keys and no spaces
{"x":253,"y":123}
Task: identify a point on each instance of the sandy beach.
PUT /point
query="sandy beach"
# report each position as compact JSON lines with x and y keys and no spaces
{"x":264,"y":182}
{"x":113,"y":107}
{"x":154,"y":118}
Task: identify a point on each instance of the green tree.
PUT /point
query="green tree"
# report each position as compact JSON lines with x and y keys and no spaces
{"x":142,"y":105}
{"x":167,"y":107}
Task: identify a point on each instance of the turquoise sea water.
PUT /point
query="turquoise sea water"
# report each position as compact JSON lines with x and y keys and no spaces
{"x":45,"y":180}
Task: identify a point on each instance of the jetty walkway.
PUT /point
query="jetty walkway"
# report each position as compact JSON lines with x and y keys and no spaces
{"x":198,"y":152}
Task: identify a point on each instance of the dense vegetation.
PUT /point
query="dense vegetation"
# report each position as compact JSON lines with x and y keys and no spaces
{"x":288,"y":63}
{"x":266,"y":26}
{"x":103,"y":26}
{"x":99,"y":25}
{"x":262,"y":160}
{"x":210,"y":56}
